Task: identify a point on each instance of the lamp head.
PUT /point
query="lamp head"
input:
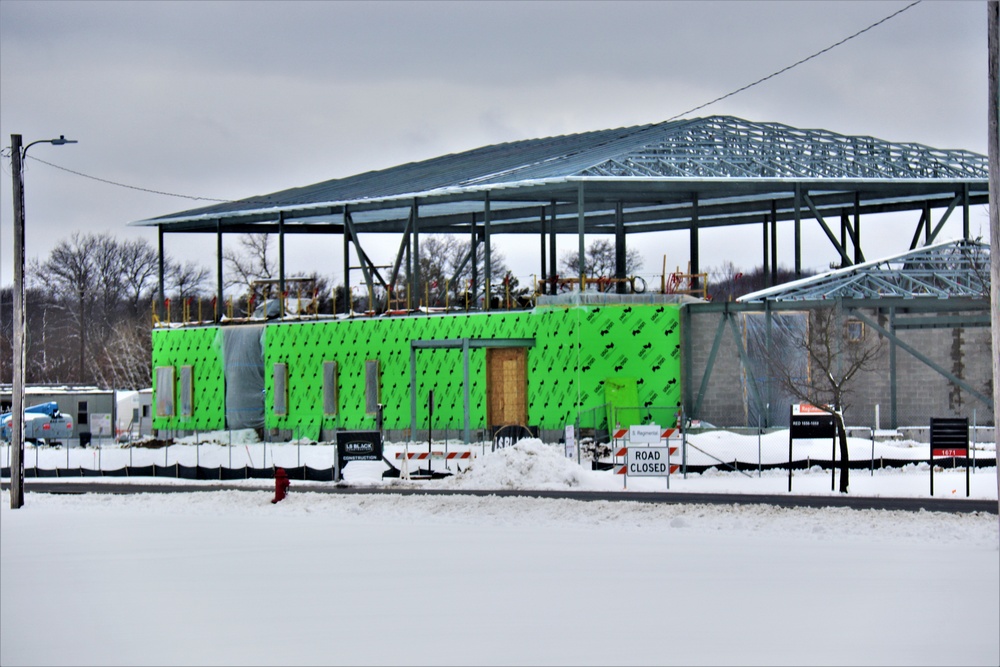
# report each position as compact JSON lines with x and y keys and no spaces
{"x":61,"y":140}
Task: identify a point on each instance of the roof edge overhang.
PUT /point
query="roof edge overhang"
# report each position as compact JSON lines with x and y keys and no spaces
{"x":403,"y":201}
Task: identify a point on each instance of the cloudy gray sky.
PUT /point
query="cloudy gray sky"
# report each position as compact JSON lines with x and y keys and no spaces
{"x":234,"y":99}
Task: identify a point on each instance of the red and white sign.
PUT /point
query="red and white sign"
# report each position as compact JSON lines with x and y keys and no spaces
{"x":950,"y":452}
{"x":421,"y":456}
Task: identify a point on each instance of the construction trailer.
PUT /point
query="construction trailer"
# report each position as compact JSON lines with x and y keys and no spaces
{"x":91,"y":410}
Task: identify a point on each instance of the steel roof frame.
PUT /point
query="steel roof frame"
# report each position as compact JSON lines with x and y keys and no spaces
{"x":679,"y":175}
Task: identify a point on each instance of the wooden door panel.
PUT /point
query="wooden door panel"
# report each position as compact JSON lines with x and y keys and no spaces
{"x":506,"y":386}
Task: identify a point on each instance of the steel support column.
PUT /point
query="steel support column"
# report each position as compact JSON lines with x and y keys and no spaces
{"x":539,"y":286}
{"x":694,"y":249}
{"x":218,"y":272}
{"x":487,"y":259}
{"x":766,"y":266}
{"x":159,"y":246}
{"x":581,"y":230}
{"x":621,"y":254}
{"x":552,"y":250}
{"x":774,"y":242}
{"x":965,"y":211}
{"x":281,"y":263}
{"x":348,"y":300}
{"x":859,"y":256}
{"x":798,"y":230}
{"x":415,"y":276}
{"x":473,"y":249}
{"x":893,"y":395}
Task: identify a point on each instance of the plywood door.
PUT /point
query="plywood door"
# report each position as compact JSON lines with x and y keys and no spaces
{"x":506,"y":385}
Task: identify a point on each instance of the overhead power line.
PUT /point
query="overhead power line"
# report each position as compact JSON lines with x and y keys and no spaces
{"x":794,"y":65}
{"x":673,"y":118}
{"x":132,"y":187}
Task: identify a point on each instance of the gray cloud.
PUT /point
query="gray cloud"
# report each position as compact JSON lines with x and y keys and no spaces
{"x":234,"y":99}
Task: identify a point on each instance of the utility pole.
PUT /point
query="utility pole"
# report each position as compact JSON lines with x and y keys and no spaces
{"x":17,"y":393}
{"x":17,"y":155}
{"x":993,"y":133}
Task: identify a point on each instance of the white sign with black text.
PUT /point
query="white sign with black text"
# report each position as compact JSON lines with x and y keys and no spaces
{"x":647,"y":461}
{"x":645,"y":433}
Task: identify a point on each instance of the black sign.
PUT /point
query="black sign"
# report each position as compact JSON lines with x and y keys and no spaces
{"x":507,"y":436}
{"x":949,"y":437}
{"x":813,"y":425}
{"x":358,"y":446}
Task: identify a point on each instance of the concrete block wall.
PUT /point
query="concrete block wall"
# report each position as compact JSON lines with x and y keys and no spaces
{"x":921,"y":392}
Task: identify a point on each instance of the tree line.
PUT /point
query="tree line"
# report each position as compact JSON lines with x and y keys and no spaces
{"x":88,"y":311}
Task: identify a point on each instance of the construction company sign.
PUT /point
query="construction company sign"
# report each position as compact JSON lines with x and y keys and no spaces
{"x":358,"y":446}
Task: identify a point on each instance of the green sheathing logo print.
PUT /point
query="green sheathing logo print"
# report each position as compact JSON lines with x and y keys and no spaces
{"x":202,"y":350}
{"x":576,"y":350}
{"x":583,"y":347}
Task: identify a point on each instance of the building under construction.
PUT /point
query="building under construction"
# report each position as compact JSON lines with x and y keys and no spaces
{"x":569,"y":357}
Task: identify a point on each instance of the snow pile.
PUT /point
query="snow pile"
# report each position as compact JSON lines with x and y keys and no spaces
{"x":244,"y":436}
{"x":528,"y":464}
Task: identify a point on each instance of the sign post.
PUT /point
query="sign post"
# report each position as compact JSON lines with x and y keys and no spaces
{"x":570,"y":440}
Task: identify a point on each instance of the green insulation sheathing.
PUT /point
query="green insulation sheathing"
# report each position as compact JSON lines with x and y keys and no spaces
{"x":200,"y":348}
{"x":576,"y":349}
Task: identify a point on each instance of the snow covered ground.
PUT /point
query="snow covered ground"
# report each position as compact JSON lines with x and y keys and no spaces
{"x":227,"y":577}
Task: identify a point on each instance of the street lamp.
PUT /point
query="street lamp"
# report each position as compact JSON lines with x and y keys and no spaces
{"x":18,"y":154}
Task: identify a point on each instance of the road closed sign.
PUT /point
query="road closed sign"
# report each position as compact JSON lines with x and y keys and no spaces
{"x":647,"y":461}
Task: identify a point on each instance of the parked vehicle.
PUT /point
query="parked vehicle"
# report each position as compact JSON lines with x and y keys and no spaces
{"x":43,"y":424}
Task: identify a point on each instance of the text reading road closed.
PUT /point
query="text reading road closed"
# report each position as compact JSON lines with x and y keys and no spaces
{"x":649,"y":461}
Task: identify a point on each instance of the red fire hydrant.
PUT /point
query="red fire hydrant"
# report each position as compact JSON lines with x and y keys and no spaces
{"x":281,"y":485}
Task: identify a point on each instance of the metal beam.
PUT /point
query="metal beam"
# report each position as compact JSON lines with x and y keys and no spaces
{"x":944,"y":218}
{"x":829,"y":234}
{"x":954,"y":379}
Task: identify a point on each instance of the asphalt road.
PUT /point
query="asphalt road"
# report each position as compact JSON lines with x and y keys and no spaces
{"x":955,"y":505}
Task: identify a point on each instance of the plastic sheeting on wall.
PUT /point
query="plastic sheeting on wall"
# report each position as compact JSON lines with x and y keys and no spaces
{"x":781,"y":347}
{"x":244,"y":362}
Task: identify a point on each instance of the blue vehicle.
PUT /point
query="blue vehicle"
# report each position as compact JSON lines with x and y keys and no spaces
{"x":43,"y":424}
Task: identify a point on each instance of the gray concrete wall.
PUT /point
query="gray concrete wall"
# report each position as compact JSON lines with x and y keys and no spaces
{"x":921,"y":392}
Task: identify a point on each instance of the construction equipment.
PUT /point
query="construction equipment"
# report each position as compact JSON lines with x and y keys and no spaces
{"x":43,"y":424}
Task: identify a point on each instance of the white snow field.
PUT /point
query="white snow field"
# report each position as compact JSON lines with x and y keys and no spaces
{"x":227,"y":577}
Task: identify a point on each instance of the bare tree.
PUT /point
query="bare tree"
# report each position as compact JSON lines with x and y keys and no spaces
{"x":599,"y":261}
{"x":837,"y":352}
{"x":71,"y":275}
{"x":139,"y":268}
{"x":86,"y":312}
{"x":124,"y":362}
{"x":187,"y":279}
{"x":446,"y":266}
{"x":251,"y":261}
